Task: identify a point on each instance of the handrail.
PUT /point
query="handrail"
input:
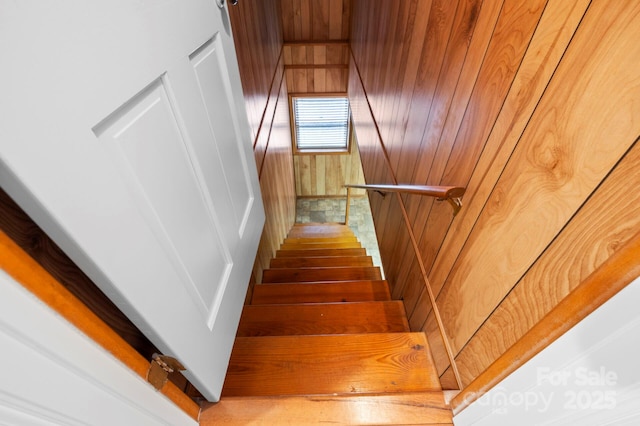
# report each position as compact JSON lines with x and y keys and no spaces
{"x":346,"y":212}
{"x":451,"y":194}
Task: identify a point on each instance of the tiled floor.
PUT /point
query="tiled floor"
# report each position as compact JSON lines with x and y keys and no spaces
{"x":333,"y":209}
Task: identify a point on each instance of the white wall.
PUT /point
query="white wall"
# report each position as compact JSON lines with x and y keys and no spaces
{"x":589,"y":376}
{"x":52,"y":374}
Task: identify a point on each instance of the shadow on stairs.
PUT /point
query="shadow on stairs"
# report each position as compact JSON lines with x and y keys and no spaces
{"x":322,"y":342}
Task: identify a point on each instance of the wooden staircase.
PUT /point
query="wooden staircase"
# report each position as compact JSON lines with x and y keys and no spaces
{"x":322,"y":342}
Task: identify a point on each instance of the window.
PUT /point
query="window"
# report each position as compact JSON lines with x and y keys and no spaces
{"x":321,"y":123}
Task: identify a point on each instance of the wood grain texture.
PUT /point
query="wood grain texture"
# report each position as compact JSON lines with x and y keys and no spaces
{"x":458,"y":151}
{"x":325,"y":175}
{"x":602,"y":227}
{"x":561,"y":158}
{"x":315,"y":246}
{"x":340,"y":273}
{"x":314,"y":32}
{"x":416,"y":408}
{"x":323,"y":318}
{"x":257,"y":34}
{"x":321,"y":252}
{"x":517,"y":107}
{"x":548,"y":44}
{"x":325,"y":292}
{"x":317,"y":240}
{"x":613,"y":275}
{"x":321,"y":261}
{"x":340,"y":364}
{"x":25,"y":270}
{"x":277,"y":185}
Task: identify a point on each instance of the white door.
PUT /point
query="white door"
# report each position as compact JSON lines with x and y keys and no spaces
{"x":123,"y":134}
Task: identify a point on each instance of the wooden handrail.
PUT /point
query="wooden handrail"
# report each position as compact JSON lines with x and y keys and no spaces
{"x":346,"y":212}
{"x":451,"y":194}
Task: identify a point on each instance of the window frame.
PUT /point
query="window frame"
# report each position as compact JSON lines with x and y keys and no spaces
{"x":316,"y":151}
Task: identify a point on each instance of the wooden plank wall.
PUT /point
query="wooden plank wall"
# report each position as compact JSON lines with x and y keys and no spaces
{"x":316,"y":67}
{"x":257,"y":32}
{"x":325,"y":175}
{"x":316,"y":51}
{"x":316,"y":60}
{"x":532,"y":106}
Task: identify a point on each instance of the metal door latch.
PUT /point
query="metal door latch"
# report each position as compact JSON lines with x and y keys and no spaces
{"x":159,"y":369}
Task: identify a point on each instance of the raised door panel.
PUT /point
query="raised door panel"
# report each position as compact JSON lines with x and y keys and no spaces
{"x":157,"y":161}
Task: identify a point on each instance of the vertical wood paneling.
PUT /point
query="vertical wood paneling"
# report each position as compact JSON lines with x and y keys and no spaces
{"x":278,"y":186}
{"x":547,"y":47}
{"x":309,"y":29}
{"x":257,"y":33}
{"x":511,"y":38}
{"x":530,"y":106}
{"x":316,"y":68}
{"x":559,"y":161}
{"x":603,"y":225}
{"x":325,"y":175}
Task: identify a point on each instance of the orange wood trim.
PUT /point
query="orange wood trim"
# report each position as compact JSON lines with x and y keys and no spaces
{"x":275,"y":111}
{"x":17,"y":263}
{"x":432,"y":191}
{"x":322,"y":152}
{"x":432,"y":298}
{"x":315,"y":66}
{"x":264,"y":112}
{"x":317,"y":43}
{"x":317,"y":94}
{"x":611,"y":277}
{"x":408,"y":408}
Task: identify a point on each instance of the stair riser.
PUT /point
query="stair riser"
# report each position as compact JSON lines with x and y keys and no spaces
{"x":323,"y":318}
{"x":316,"y":262}
{"x":317,"y":240}
{"x":321,"y":252}
{"x":292,"y":275}
{"x":349,"y":291}
{"x":309,"y":246}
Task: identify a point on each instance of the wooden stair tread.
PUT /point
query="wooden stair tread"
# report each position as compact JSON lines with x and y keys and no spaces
{"x":340,"y":273}
{"x":319,"y":261}
{"x":331,"y":364}
{"x":414,"y":408}
{"x":321,"y":252}
{"x":346,"y":291}
{"x":316,"y":240}
{"x":319,"y":230}
{"x":323,"y":318}
{"x":308,"y":246}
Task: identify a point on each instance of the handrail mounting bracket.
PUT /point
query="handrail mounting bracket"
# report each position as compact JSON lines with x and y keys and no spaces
{"x":456,"y":203}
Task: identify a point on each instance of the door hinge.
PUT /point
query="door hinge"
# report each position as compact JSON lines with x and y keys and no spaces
{"x":159,"y":369}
